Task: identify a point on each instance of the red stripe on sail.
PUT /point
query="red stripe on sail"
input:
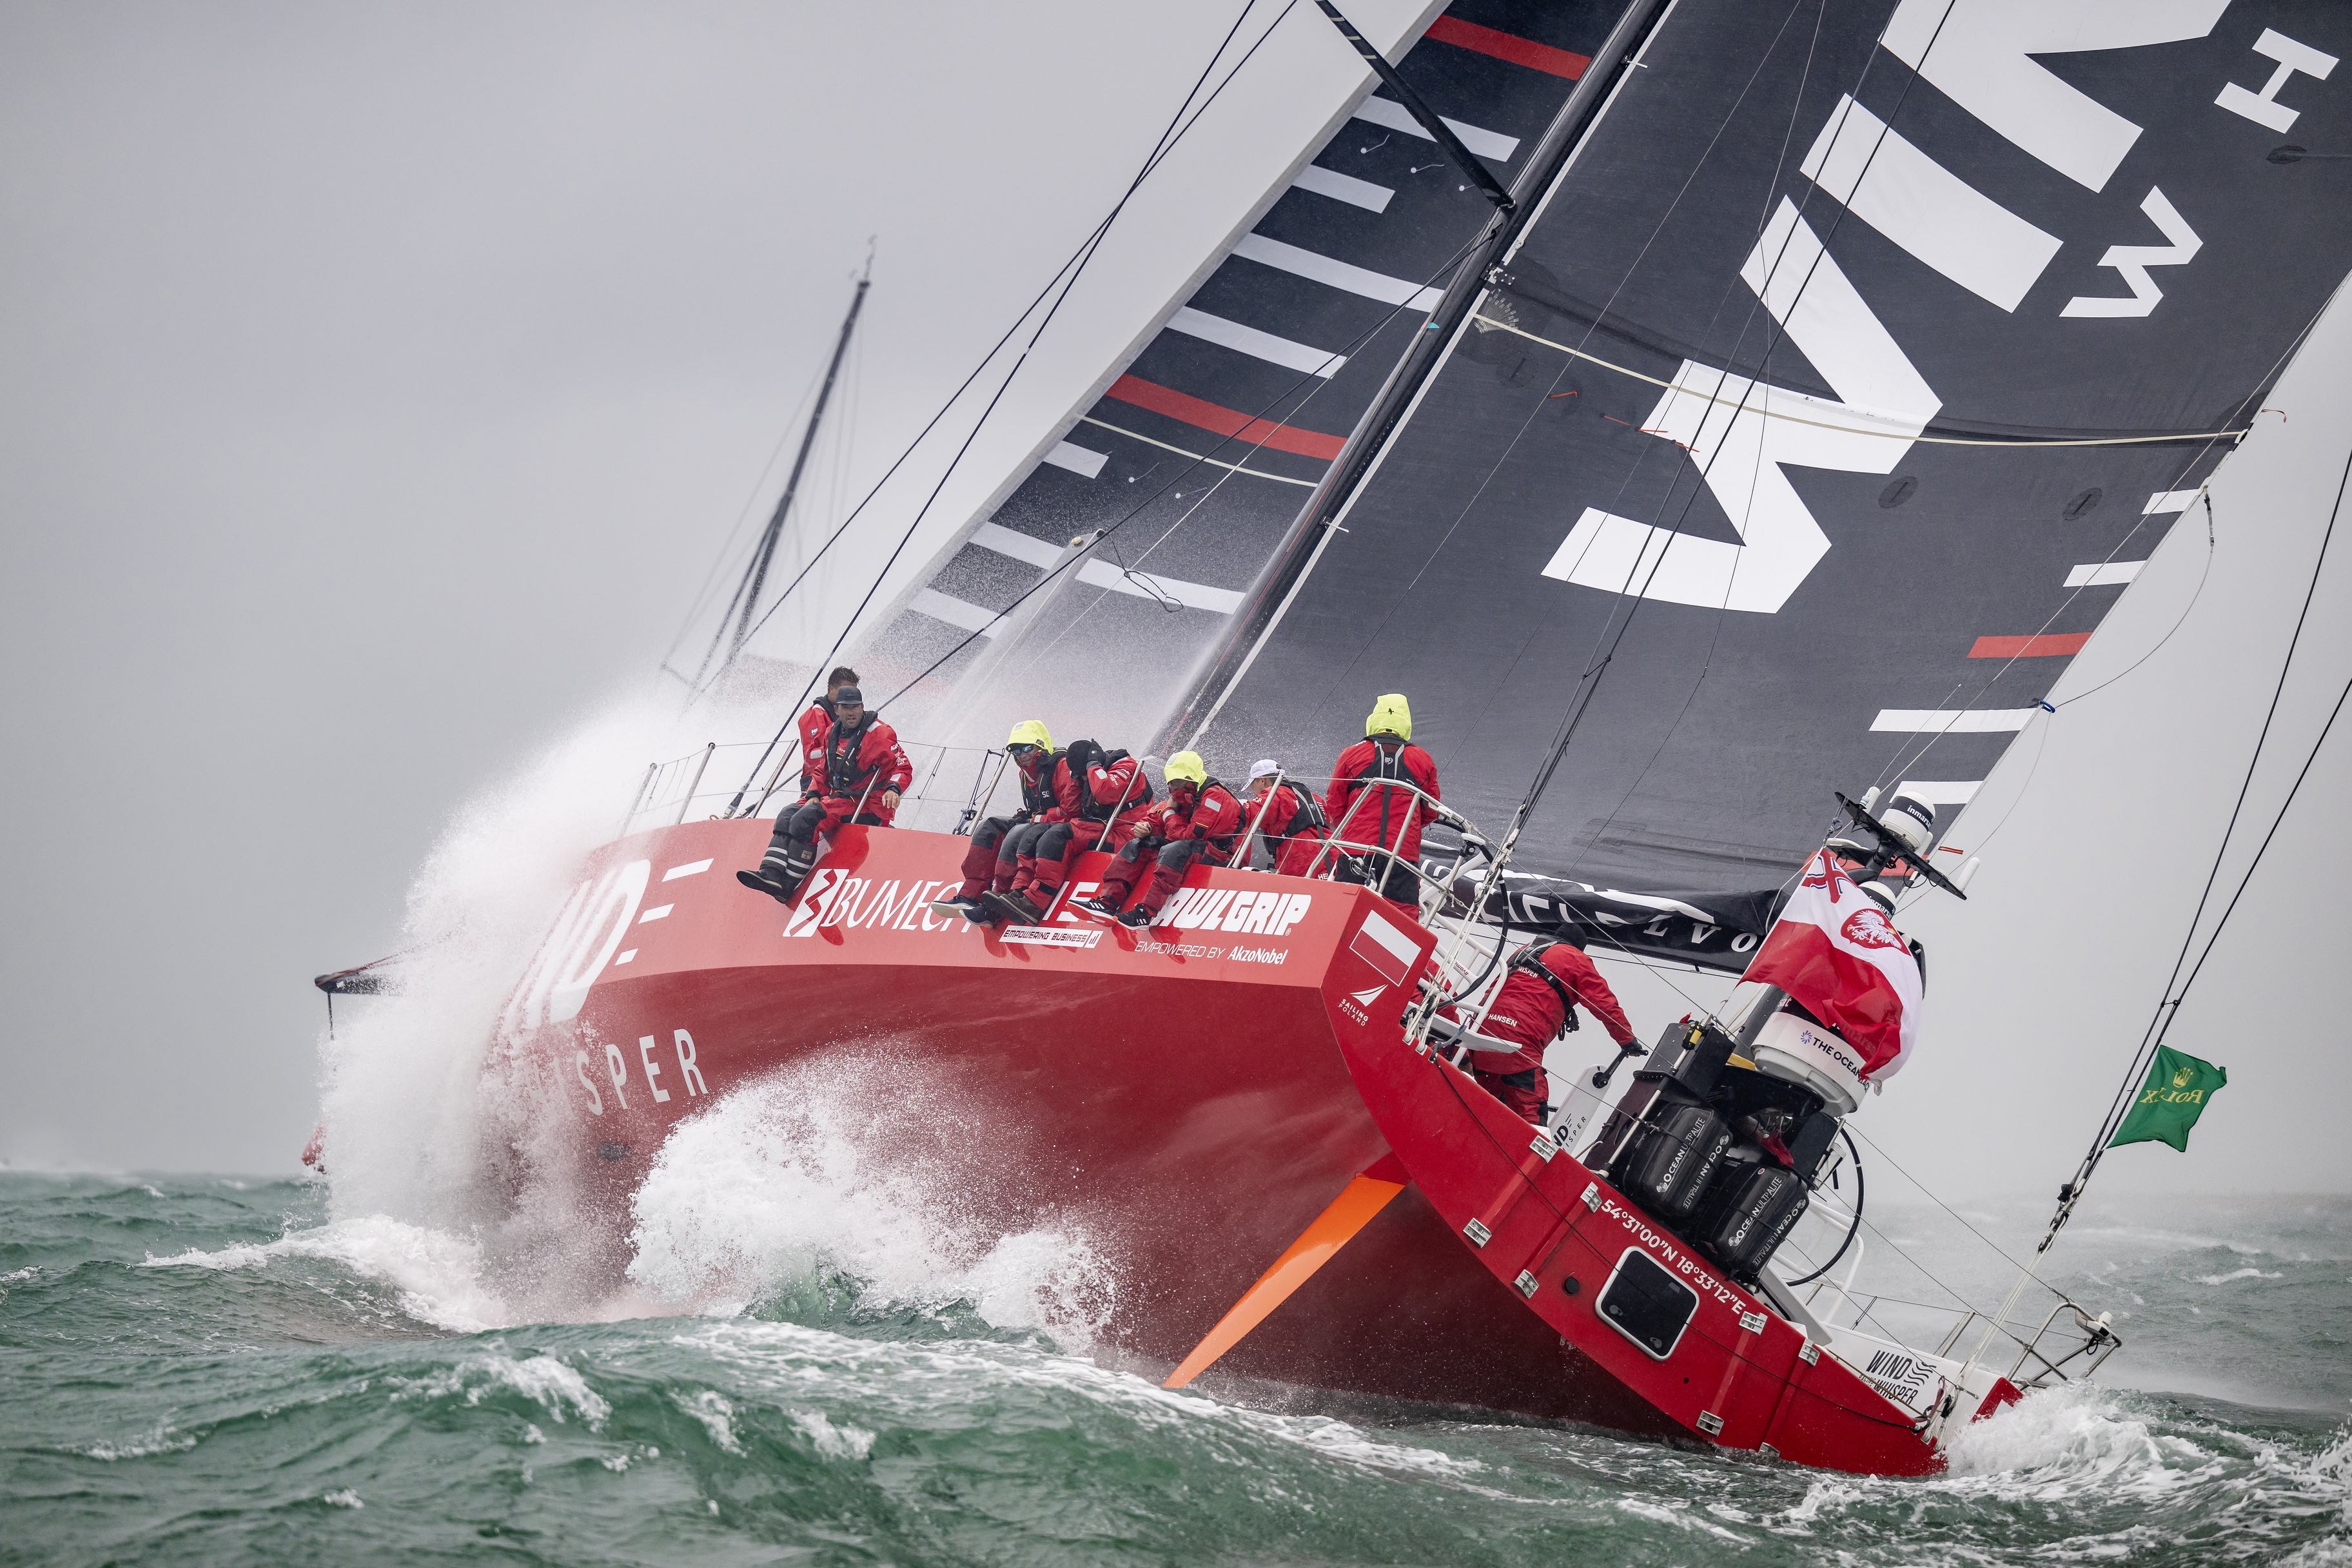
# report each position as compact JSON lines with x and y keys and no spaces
{"x":1206,"y":416}
{"x":2048,"y":644}
{"x":1508,"y":46}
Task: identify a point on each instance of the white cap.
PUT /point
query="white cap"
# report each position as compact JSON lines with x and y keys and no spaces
{"x":1263,"y":766}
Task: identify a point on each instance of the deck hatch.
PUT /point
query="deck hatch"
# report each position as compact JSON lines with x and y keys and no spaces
{"x":1646,"y":1304}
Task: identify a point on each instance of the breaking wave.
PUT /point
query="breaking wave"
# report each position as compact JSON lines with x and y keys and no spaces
{"x":814,"y":1176}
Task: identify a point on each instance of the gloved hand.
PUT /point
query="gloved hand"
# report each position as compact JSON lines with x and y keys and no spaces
{"x":1081,"y":756}
{"x":1019,"y":818}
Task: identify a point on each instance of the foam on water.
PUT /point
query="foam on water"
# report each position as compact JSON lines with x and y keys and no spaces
{"x":438,"y":1275}
{"x":409,"y":1120}
{"x":818,"y":1170}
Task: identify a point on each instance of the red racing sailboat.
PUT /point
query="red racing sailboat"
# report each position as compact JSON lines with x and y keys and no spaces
{"x":1775,"y":403}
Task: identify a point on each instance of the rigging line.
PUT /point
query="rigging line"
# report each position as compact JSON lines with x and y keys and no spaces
{"x":2159,"y":1021}
{"x":2277,"y":822}
{"x":1511,"y":1158}
{"x":956,"y":459}
{"x":1404,"y":593}
{"x":1589,"y":685}
{"x":727,"y":546}
{"x":1312,"y":393}
{"x":1939,"y":1203}
{"x":1904,"y":758}
{"x":2151,"y":439}
{"x":2182,"y":619}
{"x":2246,"y":404}
{"x":1077,"y":261}
{"x":1179,"y":125}
{"x":1755,"y":474}
{"x":1196,"y":457}
{"x":1763,"y":217}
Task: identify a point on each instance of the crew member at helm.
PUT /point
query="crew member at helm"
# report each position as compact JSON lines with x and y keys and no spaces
{"x":863,"y":769}
{"x":1535,"y":1005}
{"x":1375,"y":818}
{"x":1202,"y":817}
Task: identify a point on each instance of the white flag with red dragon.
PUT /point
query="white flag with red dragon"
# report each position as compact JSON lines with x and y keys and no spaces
{"x":1839,"y":958}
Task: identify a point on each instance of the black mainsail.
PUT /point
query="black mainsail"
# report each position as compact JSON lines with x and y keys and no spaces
{"x":1853,"y":365}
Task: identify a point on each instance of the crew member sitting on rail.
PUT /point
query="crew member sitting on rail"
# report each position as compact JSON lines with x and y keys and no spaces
{"x":1535,"y":1005}
{"x":814,"y":722}
{"x":863,"y":771}
{"x":1109,"y":798}
{"x":1202,"y":817}
{"x":1049,"y":782}
{"x":1287,"y":817}
{"x":1373,"y":808}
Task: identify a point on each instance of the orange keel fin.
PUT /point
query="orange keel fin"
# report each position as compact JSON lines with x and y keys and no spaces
{"x":1332,"y":1229}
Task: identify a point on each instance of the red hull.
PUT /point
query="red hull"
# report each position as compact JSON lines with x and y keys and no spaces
{"x":1191,"y":1097}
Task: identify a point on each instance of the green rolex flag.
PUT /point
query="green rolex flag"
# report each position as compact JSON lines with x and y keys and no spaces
{"x":2177,"y":1088}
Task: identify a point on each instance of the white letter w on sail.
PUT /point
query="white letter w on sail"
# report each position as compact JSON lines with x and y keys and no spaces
{"x":1740,"y":433}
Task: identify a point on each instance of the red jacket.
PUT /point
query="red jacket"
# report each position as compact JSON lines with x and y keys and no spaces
{"x":1294,"y":846}
{"x":812,"y":726}
{"x":1119,"y":794}
{"x":863,"y":764}
{"x":1209,"y":812}
{"x":1363,"y":811}
{"x":1529,"y":1013}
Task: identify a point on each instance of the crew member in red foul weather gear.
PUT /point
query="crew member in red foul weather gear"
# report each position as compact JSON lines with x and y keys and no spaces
{"x":1109,"y":801}
{"x":1535,"y":1005}
{"x":1287,"y":817}
{"x":1369,"y":810}
{"x":862,"y":771}
{"x":1202,"y":817}
{"x":1049,"y":783}
{"x":814,"y":723}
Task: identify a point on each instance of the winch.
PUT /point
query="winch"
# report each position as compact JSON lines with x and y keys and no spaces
{"x":1720,"y":1135}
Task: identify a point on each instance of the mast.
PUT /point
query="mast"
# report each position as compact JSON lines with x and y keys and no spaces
{"x":755,"y":576}
{"x":1229,"y":659}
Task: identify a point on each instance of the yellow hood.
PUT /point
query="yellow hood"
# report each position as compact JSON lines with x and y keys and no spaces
{"x":1188,"y":766}
{"x":1030,"y":732}
{"x":1391,"y":715}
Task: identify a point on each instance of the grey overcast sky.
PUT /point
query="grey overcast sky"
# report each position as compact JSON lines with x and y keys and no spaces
{"x":381,"y":382}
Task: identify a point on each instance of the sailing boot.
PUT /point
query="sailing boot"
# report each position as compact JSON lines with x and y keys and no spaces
{"x":1102,"y":907}
{"x":781,"y":870}
{"x":961,"y":908}
{"x":1137,"y":916}
{"x":1017,"y":907}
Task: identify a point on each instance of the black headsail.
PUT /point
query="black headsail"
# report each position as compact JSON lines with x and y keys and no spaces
{"x":1183,"y":478}
{"x":1845,"y":377}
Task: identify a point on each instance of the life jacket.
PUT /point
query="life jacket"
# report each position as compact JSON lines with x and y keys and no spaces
{"x":1530,"y":960}
{"x":1308,"y":820}
{"x":843,"y":775}
{"x":1386,"y":766}
{"x":1039,"y":798}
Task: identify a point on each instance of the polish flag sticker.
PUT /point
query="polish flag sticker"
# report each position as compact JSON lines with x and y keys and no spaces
{"x":1389,"y":951}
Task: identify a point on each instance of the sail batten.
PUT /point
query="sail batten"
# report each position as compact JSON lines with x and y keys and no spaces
{"x":1236,"y":413}
{"x":1829,"y":491}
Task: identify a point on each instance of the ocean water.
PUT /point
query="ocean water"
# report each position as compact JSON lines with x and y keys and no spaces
{"x":203,"y":1369}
